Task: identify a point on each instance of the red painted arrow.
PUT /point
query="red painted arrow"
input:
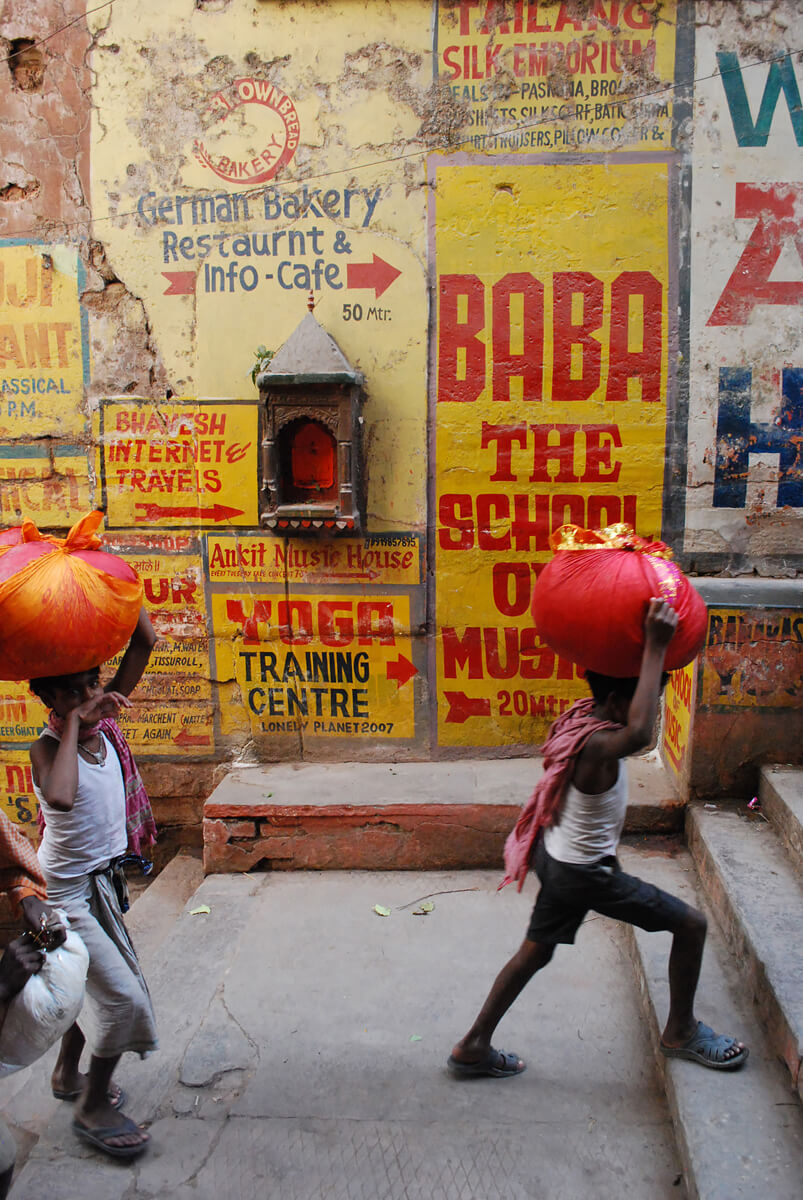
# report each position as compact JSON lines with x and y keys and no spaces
{"x":461,"y":707}
{"x":218,"y":512}
{"x":402,"y":670}
{"x":676,"y":759}
{"x":326,"y":576}
{"x":377,"y":274}
{"x":185,"y":738}
{"x":181,"y":283}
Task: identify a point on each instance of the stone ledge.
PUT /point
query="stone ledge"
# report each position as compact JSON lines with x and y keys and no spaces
{"x":781,"y":792}
{"x":709,"y":1107}
{"x":397,"y":838}
{"x":404,"y":816}
{"x":166,"y":780}
{"x":755,"y":893}
{"x":747,"y":591}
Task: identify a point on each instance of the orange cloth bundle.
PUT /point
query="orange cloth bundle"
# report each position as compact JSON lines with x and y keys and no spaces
{"x":65,"y":605}
{"x":590,"y":601}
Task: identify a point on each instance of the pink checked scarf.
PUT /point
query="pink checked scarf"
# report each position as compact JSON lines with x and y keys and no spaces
{"x":139,"y":822}
{"x":566,"y":739}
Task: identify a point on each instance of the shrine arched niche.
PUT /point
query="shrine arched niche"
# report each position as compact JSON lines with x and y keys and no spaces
{"x":306,"y":454}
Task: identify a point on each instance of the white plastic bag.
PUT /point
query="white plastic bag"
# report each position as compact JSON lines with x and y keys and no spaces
{"x":46,"y":1007}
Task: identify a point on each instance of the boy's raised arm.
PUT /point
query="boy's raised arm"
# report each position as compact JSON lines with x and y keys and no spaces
{"x":135,"y":659}
{"x":660,"y":624}
{"x":55,"y":764}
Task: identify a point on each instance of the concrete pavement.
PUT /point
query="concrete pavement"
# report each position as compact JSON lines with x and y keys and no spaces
{"x":303,"y":1047}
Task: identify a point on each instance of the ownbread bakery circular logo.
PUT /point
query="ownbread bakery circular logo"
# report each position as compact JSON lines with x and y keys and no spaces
{"x":251,"y":131}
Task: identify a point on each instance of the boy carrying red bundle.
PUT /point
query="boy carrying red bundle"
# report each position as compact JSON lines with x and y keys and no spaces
{"x":570,"y":830}
{"x":95,"y":813}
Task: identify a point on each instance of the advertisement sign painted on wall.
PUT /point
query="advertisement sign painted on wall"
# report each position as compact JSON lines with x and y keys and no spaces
{"x":46,"y":483}
{"x":17,"y":796}
{"x":178,"y":668}
{"x":547,"y":77}
{"x":327,"y":665}
{"x":251,"y":130}
{"x":179,"y":465}
{"x":679,"y":701}
{"x":169,"y":731}
{"x":42,"y":363}
{"x":745,"y":432}
{"x":172,"y":714}
{"x":550,"y":407}
{"x":22,"y":715}
{"x":752,"y":658}
{"x":386,"y":560}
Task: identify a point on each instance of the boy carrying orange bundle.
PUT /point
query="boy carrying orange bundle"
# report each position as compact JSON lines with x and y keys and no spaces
{"x":95,"y":811}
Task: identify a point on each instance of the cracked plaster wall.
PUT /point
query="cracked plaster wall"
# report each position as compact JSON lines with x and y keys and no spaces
{"x":45,"y":181}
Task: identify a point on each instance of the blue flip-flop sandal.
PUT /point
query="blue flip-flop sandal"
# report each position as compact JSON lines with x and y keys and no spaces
{"x":709,"y":1048}
{"x":101,"y":1138}
{"x":498,"y":1064}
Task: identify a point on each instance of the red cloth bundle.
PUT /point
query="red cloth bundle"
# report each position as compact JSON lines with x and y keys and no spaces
{"x":590,"y":601}
{"x":65,"y":605}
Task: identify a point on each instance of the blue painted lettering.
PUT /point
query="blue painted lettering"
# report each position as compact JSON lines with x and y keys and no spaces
{"x":780,"y":78}
{"x":738,"y":437}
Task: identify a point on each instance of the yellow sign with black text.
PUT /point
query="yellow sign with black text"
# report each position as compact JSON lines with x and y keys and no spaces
{"x":330,"y":666}
{"x":22,"y":715}
{"x":186,"y":730}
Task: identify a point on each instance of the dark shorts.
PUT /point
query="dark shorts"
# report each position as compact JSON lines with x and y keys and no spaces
{"x":568,"y":892}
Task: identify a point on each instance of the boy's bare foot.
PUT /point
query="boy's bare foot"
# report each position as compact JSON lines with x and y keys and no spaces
{"x":115,"y":1094}
{"x":70,"y":1085}
{"x":67,"y":1082}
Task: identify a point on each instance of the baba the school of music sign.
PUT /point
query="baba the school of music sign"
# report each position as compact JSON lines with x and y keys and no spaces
{"x":550,"y":407}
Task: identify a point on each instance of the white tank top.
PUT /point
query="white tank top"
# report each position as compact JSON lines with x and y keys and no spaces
{"x":93,"y":831}
{"x":590,"y":826}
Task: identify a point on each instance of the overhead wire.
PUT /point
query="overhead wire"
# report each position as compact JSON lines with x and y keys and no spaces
{"x":449,"y":147}
{"x":41,"y":41}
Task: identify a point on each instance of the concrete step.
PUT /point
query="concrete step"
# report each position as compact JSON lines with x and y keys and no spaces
{"x":755,"y":892}
{"x":780,"y":791}
{"x":390,"y":817}
{"x":739,"y":1134}
{"x":152,"y":916}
